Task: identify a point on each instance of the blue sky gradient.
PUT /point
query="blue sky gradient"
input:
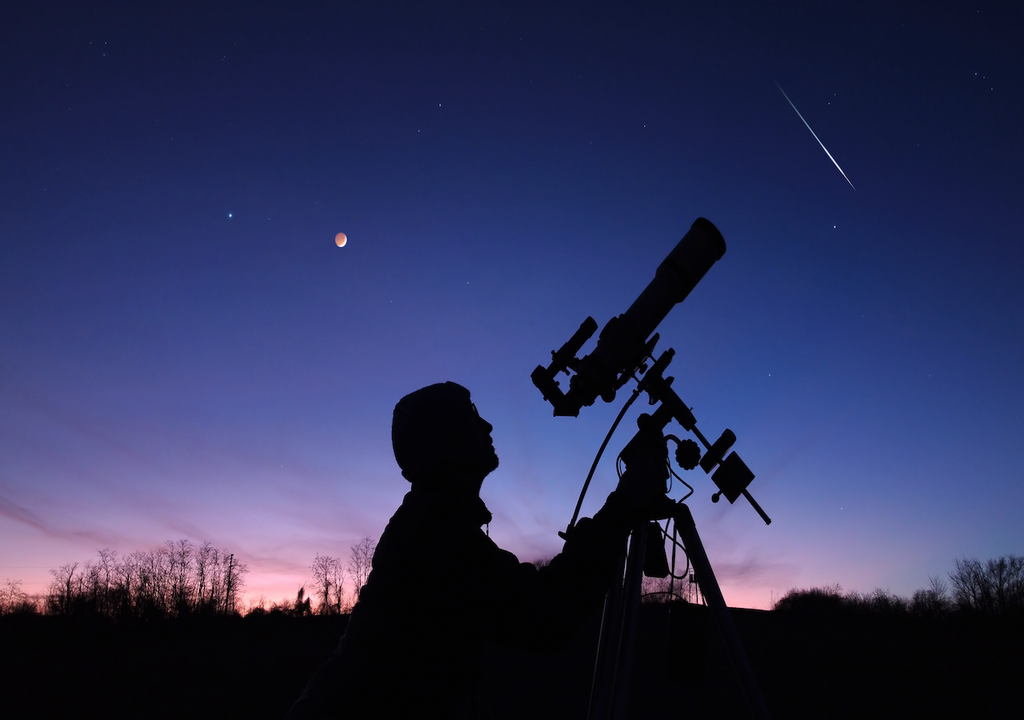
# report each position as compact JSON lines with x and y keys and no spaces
{"x":185,"y":353}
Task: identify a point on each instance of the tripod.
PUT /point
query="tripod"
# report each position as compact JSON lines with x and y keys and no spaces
{"x":612,"y":671}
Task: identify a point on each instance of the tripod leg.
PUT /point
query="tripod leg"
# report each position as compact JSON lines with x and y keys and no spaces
{"x":607,"y":648}
{"x":630,"y":612}
{"x":609,"y":693}
{"x":713,"y":595}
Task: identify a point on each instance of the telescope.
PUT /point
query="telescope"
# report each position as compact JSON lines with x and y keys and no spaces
{"x":624,"y":349}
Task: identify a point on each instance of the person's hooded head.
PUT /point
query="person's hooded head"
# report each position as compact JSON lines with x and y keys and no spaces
{"x":440,"y":440}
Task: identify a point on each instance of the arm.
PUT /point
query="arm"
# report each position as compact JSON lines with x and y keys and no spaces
{"x":543,"y":609}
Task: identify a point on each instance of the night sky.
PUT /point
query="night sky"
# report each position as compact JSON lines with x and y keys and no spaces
{"x":186,"y":353}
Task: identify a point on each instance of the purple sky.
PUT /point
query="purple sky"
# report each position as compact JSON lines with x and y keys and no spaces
{"x":185,"y":353}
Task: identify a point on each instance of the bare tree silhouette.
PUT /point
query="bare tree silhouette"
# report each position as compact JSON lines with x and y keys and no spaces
{"x":360,"y":563}
{"x":931,"y":601}
{"x":328,"y":582}
{"x":15,"y":600}
{"x":62,"y":590}
{"x":995,"y":588}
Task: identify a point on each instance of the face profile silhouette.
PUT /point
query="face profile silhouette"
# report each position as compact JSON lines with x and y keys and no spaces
{"x":441,"y":443}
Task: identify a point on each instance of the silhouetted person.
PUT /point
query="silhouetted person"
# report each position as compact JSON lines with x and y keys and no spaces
{"x":440,"y":588}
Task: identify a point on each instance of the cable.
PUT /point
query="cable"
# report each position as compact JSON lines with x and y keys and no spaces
{"x":677,"y":477}
{"x":590,"y":475}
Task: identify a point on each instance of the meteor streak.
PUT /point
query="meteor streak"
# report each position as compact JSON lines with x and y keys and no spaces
{"x":812,"y":133}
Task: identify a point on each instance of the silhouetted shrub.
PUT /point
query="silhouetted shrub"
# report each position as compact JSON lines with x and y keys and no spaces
{"x":882,"y":602}
{"x":813,"y":601}
{"x":832,"y":600}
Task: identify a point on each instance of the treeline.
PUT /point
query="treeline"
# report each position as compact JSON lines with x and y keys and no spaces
{"x":182,"y":579}
{"x":331,"y":575}
{"x":994,"y":588}
{"x":176,"y":580}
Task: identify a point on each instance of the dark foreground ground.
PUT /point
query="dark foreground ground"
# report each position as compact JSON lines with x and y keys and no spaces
{"x":809,"y":667}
